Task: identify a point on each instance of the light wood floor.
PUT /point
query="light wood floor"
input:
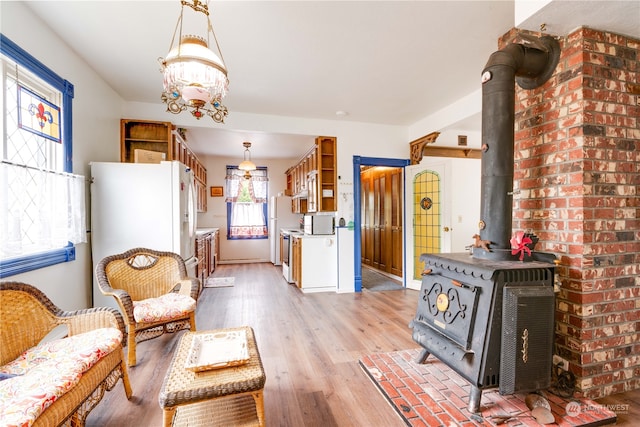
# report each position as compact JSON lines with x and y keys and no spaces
{"x":310,"y":345}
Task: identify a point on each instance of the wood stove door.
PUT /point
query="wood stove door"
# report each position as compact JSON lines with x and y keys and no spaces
{"x":448,"y":306}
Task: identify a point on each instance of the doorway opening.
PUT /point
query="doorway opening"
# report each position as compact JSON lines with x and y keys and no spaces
{"x":382,"y":226}
{"x":384,"y":190}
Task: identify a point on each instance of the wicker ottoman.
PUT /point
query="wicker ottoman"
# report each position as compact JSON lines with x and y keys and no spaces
{"x":226,"y":396}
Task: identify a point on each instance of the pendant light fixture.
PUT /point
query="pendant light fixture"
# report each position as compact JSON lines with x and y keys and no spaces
{"x":195,"y":77}
{"x":247,"y":165}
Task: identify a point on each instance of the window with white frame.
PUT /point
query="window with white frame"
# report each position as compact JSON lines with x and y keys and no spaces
{"x":42,"y":206}
{"x":246,"y":203}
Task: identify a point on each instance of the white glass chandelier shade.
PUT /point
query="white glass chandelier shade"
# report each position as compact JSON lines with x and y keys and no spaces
{"x":195,"y":77}
{"x":191,"y":66}
{"x":247,"y":165}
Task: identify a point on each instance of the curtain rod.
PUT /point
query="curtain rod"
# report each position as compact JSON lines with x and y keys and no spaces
{"x":6,"y":162}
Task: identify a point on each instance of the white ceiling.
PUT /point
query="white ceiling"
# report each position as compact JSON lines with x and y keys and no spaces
{"x":387,"y":62}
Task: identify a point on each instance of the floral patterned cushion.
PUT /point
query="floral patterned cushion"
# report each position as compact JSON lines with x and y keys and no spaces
{"x":47,"y":371}
{"x":165,"y":307}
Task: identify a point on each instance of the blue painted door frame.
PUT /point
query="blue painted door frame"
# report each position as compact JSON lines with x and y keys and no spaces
{"x":357,"y":202}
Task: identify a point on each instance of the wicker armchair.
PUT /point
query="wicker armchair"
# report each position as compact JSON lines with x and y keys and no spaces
{"x":27,"y":316}
{"x":145,"y":276}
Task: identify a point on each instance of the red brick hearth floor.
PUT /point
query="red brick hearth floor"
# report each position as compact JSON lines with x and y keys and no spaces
{"x":434,"y":395}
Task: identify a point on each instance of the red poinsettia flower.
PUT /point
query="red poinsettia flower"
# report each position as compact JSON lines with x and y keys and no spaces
{"x":519,"y":244}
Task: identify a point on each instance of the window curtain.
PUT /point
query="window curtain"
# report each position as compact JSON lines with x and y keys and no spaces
{"x":47,"y":213}
{"x":247,"y":197}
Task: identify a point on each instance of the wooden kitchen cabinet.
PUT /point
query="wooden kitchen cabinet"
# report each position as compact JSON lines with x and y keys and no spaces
{"x":327,"y":183}
{"x":148,"y":136}
{"x":207,"y":244}
{"x":152,"y":141}
{"x":312,"y":192}
{"x":296,"y":260}
{"x":313,"y":180}
{"x":288,"y":191}
{"x":215,"y":250}
{"x":201,"y":256}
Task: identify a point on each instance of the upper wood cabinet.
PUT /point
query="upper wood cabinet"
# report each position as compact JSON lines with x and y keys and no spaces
{"x":147,"y":141}
{"x":313,"y":180}
{"x":327,"y":173}
{"x":140,"y":140}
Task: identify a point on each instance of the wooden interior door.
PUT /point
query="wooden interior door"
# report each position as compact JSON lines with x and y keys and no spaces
{"x":395,"y":215}
{"x":366,"y":206}
{"x":381,"y":219}
{"x":379,"y":222}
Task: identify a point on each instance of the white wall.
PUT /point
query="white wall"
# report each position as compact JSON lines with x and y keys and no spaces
{"x":461,"y":110}
{"x":96,"y":116}
{"x":523,"y":9}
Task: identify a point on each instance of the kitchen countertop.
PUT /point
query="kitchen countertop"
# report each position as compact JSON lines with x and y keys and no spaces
{"x":202,"y":231}
{"x":299,"y":233}
{"x":318,"y":236}
{"x":292,"y":230}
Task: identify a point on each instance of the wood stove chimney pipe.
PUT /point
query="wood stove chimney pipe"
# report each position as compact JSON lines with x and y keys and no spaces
{"x":531,"y":63}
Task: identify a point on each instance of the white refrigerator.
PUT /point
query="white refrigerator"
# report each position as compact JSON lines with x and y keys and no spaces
{"x":280,"y":216}
{"x":141,"y":205}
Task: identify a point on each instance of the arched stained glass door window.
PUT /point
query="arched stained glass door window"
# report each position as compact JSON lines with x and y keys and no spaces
{"x":426,"y":217}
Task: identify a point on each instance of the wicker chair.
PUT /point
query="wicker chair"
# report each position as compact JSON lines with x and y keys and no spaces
{"x":146,"y":276}
{"x":27,"y":316}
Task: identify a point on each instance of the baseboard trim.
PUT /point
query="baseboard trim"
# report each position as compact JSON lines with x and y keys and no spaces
{"x":242,"y":261}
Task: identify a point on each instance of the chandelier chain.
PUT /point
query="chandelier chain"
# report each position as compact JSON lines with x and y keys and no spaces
{"x":197,"y":5}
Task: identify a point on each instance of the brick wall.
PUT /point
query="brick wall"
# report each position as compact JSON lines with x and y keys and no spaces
{"x":577,"y":166}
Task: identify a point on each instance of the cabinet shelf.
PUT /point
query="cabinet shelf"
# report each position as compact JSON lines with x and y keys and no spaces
{"x":162,"y":138}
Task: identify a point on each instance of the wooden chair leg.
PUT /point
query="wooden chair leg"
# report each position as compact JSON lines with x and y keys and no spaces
{"x":192,"y":321}
{"x":259,"y":399}
{"x":167,"y":416}
{"x":125,"y":379}
{"x":131,"y":343}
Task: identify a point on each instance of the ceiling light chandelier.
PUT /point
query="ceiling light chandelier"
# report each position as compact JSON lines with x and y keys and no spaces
{"x":195,"y":77}
{"x":247,"y":165}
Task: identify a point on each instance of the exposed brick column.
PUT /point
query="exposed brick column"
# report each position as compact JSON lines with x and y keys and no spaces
{"x":577,"y":167}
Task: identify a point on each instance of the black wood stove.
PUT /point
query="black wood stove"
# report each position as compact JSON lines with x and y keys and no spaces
{"x":487,"y":315}
{"x":490,"y":321}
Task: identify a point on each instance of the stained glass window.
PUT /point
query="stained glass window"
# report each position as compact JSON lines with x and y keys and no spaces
{"x":42,"y":207}
{"x":37,"y":115}
{"x":426,"y":230}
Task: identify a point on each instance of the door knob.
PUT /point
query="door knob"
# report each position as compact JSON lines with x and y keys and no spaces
{"x":447,"y":229}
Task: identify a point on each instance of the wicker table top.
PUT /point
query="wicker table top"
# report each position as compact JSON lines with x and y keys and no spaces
{"x":182,"y":386}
